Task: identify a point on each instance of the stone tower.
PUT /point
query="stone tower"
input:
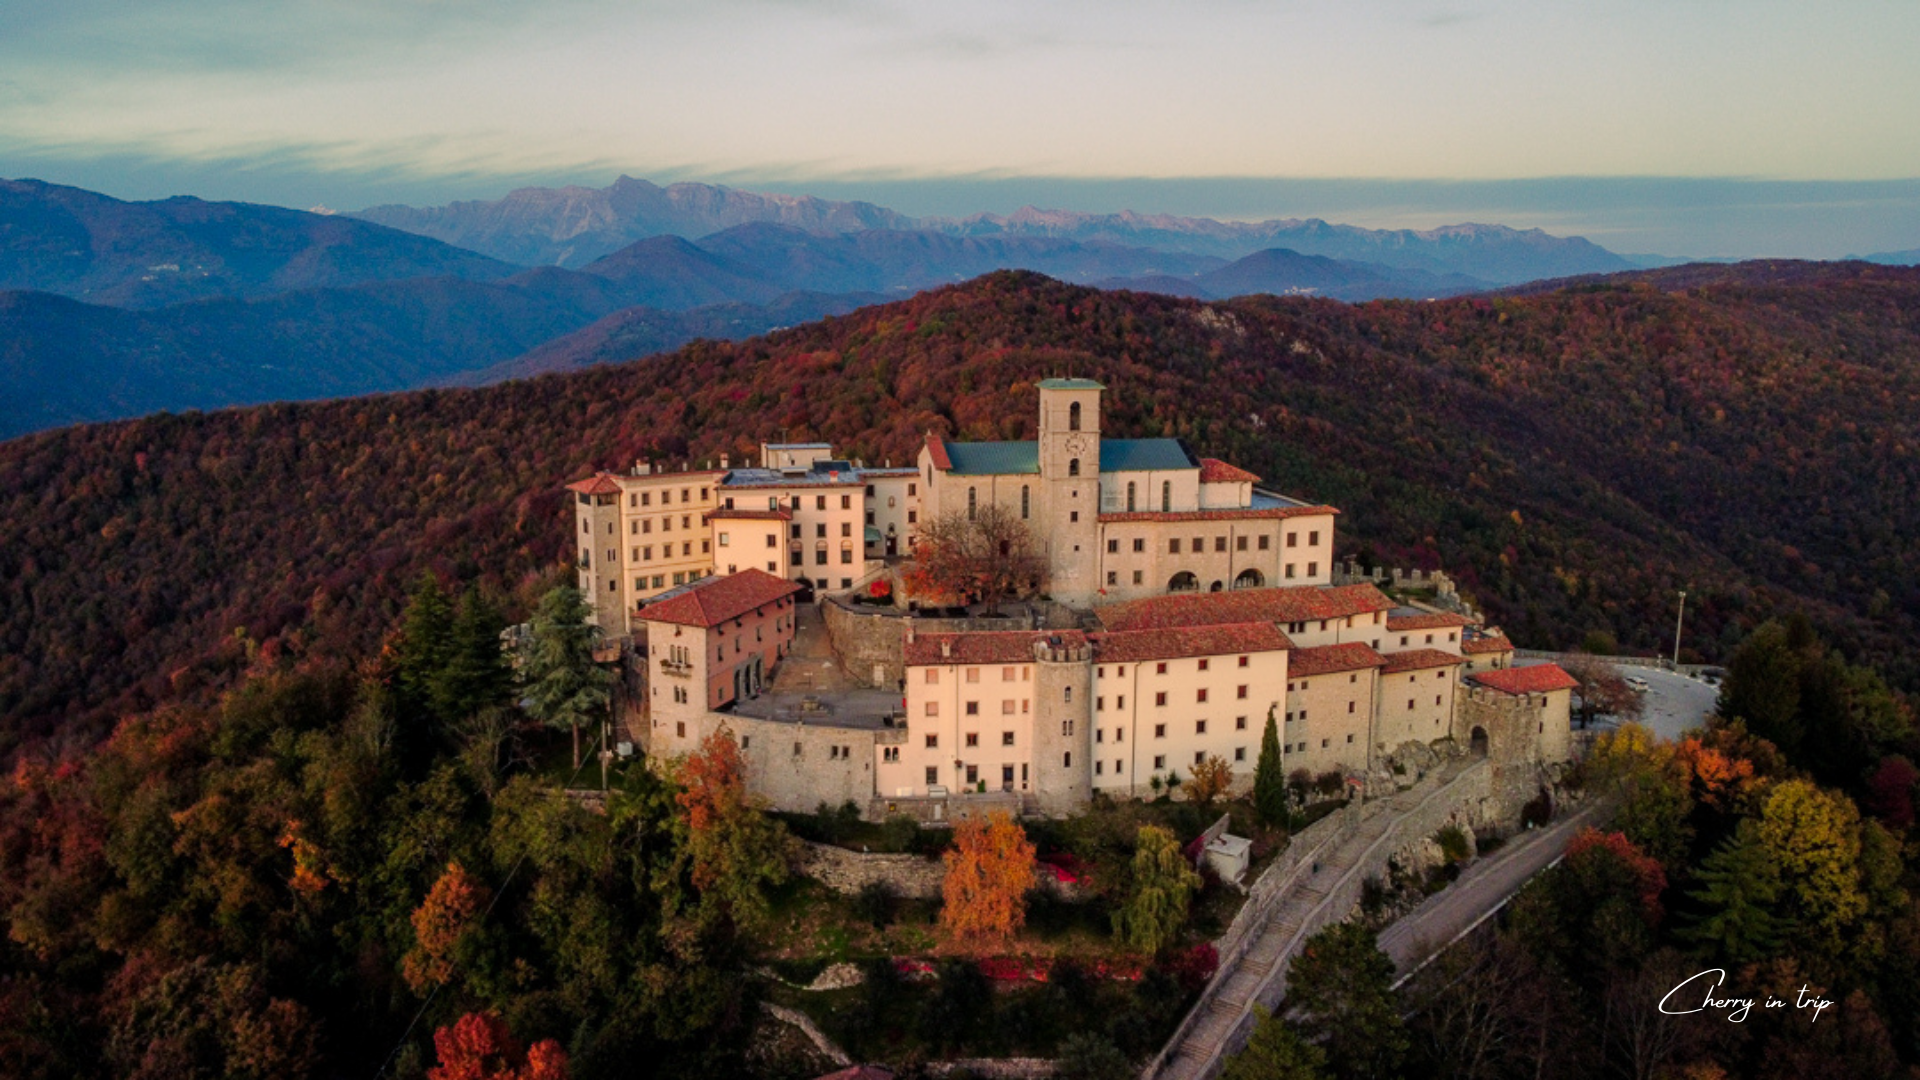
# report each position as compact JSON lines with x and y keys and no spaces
{"x":1063,"y":723}
{"x":598,"y":539}
{"x":1069,"y":453}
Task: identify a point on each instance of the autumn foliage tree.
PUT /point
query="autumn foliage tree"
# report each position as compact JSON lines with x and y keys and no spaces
{"x":986,"y":554}
{"x":1603,"y":691}
{"x":989,"y":870}
{"x":441,"y":924}
{"x":1209,"y":780}
{"x":478,"y":1046}
{"x":734,"y":852}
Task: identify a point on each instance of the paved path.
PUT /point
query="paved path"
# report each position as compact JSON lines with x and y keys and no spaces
{"x":1482,"y":890}
{"x":1260,"y":975}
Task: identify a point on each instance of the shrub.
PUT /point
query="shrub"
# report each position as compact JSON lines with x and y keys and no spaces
{"x":875,"y":903}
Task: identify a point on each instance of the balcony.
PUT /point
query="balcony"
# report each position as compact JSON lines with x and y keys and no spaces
{"x":678,"y":668}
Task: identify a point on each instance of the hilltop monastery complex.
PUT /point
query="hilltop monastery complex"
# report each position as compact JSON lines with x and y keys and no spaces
{"x":1183,"y":603}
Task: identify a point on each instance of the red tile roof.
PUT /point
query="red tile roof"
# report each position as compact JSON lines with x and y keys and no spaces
{"x":1486,"y":643}
{"x":938,"y":448}
{"x":1223,"y":640}
{"x":983,"y":647}
{"x":747,"y":515}
{"x":1419,"y":660}
{"x":597,"y":484}
{"x":1325,"y":659}
{"x":711,"y":601}
{"x":1537,"y":679}
{"x":1215,"y":471}
{"x":1284,"y":604}
{"x":1437,"y":620}
{"x":1246,"y":514}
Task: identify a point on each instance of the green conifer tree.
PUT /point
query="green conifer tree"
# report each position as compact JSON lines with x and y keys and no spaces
{"x":1269,"y":781}
{"x":1740,"y":888}
{"x":1275,"y":1052}
{"x":564,"y":687}
{"x":1342,"y":985}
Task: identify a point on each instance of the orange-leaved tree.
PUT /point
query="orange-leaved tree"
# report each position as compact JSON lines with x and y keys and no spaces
{"x":735,"y":852}
{"x":478,"y":1046}
{"x":989,"y":870}
{"x":441,"y":924}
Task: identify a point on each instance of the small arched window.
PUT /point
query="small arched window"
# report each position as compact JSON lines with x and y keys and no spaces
{"x":1025,"y":502}
{"x":1073,"y":467}
{"x":973,"y":502}
{"x":1130,"y":487}
{"x":1073,"y":417}
{"x":1166,"y":496}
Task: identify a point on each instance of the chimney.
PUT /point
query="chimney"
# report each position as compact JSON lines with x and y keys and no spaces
{"x":723,"y":461}
{"x":946,"y":650}
{"x":909,"y":631}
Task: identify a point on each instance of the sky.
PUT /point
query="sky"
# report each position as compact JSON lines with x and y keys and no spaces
{"x":1703,"y":127}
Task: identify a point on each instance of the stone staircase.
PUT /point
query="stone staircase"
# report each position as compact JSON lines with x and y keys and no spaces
{"x":1223,"y":1018}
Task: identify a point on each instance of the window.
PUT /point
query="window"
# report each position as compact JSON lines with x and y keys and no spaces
{"x":1067,"y":694}
{"x":1239,"y":723}
{"x":1166,"y":496}
{"x":723,"y":538}
{"x":1200,"y":695}
{"x":1073,"y":417}
{"x":680,"y":729}
{"x":1293,"y":539}
{"x":1173,"y":546}
{"x":846,"y":528}
{"x":1006,"y":707}
{"x":1160,"y":668}
{"x":1199,"y":727}
{"x":973,"y":738}
{"x":1025,"y":502}
{"x":1349,"y":706}
{"x":1199,"y":756}
{"x":1159,"y":731}
{"x":1099,"y":767}
{"x":933,"y":775}
{"x":1113,"y":547}
{"x":1139,"y":576}
{"x":1199,"y":544}
{"x":1289,"y":569}
{"x":819,"y":502}
{"x":1073,"y":467}
{"x":890,"y":754}
{"x":1313,"y":538}
{"x":1240,"y":691}
{"x":1160,"y":698}
{"x":1130,"y":498}
{"x":1113,"y":577}
{"x":1239,"y":753}
{"x":1313,"y":569}
{"x":1239,"y":543}
{"x":1120,"y":702}
{"x":1160,"y":761}
{"x":973,"y":502}
{"x":773,"y":540}
{"x":1263,"y":542}
{"x":846,"y":559}
{"x":973,"y":708}
{"x":846,"y":502}
{"x":933,"y":742}
{"x":1219,"y":543}
{"x":1243,"y":661}
{"x":933,"y":708}
{"x":913,"y":489}
{"x":1066,"y":760}
{"x":1323,"y":744}
{"x":1203,"y":663}
{"x":1006,"y":738}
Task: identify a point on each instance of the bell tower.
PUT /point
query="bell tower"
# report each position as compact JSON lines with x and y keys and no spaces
{"x":1069,"y":452}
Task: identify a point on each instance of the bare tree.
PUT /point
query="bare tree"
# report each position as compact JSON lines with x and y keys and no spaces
{"x":986,"y":556}
{"x":1602,"y":690}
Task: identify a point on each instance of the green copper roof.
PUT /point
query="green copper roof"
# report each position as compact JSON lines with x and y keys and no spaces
{"x":993,"y":458}
{"x":1070,"y":384}
{"x":1140,"y":455}
{"x":1116,"y":455}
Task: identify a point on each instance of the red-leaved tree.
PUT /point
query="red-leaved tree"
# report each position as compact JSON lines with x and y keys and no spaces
{"x":478,"y":1046}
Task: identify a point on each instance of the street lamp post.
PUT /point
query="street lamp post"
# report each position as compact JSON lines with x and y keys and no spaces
{"x":1677,"y":623}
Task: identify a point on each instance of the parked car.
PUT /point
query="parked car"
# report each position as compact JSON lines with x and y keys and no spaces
{"x":1637,"y":684}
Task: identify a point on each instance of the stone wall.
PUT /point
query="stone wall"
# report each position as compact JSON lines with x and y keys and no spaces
{"x":869,"y":642}
{"x":847,"y":872}
{"x":795,"y":766}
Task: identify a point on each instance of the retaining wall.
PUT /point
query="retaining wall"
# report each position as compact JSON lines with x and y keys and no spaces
{"x":847,"y":872}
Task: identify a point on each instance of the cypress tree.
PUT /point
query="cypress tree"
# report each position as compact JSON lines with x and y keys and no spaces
{"x":1269,"y":782}
{"x":564,"y":687}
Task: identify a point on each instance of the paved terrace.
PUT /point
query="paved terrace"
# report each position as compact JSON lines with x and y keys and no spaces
{"x":809,"y":686}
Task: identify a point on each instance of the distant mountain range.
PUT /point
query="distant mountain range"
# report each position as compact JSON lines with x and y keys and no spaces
{"x":111,"y":309}
{"x":1894,"y":258}
{"x":572,"y":226}
{"x":150,"y":254}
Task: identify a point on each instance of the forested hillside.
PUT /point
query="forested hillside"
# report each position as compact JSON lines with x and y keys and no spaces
{"x":1575,"y":457}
